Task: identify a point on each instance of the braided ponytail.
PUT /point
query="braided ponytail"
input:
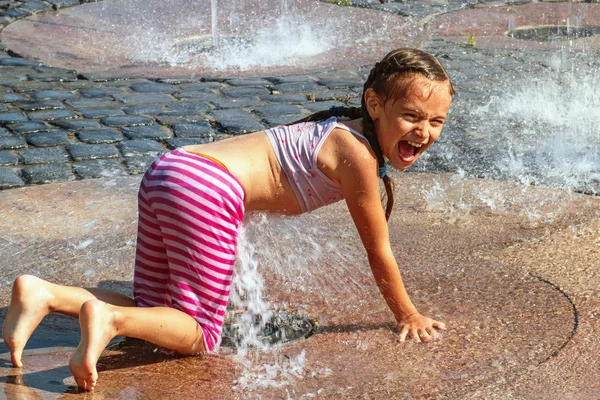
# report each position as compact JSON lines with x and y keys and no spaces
{"x":387,"y":78}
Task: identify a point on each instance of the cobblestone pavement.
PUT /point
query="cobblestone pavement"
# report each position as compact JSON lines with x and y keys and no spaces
{"x":60,"y":125}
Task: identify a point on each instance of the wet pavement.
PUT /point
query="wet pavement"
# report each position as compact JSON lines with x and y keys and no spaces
{"x":518,"y":291}
{"x":515,"y":278}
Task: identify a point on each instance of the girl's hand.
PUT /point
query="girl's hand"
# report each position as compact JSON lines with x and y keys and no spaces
{"x":419,"y":328}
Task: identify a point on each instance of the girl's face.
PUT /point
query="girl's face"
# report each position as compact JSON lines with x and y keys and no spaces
{"x":408,"y":125}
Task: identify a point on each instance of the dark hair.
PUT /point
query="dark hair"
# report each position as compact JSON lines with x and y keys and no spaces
{"x":387,"y":78}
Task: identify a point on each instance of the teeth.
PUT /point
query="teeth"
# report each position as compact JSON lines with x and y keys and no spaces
{"x":415,"y":144}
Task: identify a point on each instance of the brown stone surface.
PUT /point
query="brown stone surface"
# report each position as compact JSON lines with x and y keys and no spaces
{"x":510,"y":269}
{"x":107,"y":38}
{"x":491,"y":25}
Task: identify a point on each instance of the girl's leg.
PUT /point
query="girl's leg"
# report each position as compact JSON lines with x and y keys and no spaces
{"x":100,"y":322}
{"x":33,"y":298}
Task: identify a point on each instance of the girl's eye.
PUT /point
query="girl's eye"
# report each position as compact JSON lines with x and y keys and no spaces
{"x":411,"y":117}
{"x":437,"y":123}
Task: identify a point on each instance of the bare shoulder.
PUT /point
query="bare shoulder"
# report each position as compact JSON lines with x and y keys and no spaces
{"x":344,"y":154}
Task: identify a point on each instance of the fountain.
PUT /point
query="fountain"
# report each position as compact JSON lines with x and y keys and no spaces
{"x":153,"y":38}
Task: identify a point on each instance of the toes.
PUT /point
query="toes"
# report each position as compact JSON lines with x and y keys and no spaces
{"x":87,"y":383}
{"x":15,"y":358}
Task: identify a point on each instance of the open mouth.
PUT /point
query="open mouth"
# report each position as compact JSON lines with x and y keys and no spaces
{"x":408,"y":151}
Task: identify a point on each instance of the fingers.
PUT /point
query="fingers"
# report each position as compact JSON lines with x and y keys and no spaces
{"x":422,"y":332}
{"x":403,"y":333}
{"x":438,"y":325}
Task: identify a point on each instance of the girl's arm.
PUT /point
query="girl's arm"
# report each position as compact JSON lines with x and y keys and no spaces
{"x":360,"y":185}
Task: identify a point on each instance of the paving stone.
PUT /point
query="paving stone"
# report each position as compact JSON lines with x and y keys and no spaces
{"x":47,"y":173}
{"x":176,"y":143}
{"x":28,"y":127}
{"x":321,"y":105}
{"x":189,"y":107}
{"x":335,"y":84}
{"x":19,"y":62}
{"x":155,"y":132}
{"x":139,"y":165}
{"x":78,"y":124}
{"x":277,"y":109}
{"x":177,"y":81}
{"x":130,"y":120}
{"x":96,"y":93}
{"x":16,"y":13}
{"x":31,"y":86}
{"x":51,"y":115}
{"x":11,"y":97}
{"x":8,"y":118}
{"x":8,"y":4}
{"x":91,"y":103}
{"x":341,"y":75}
{"x":291,"y":79}
{"x":236,"y":121}
{"x":238,"y":102}
{"x":11,"y":142}
{"x":47,"y":139}
{"x":52,"y":95}
{"x":205,"y":95}
{"x":53,"y":77}
{"x":9,"y":179}
{"x":7,"y":158}
{"x":249,"y":82}
{"x":168,"y":119}
{"x":245,"y":91}
{"x":80,"y":84}
{"x":7,"y":79}
{"x":146,"y":109}
{"x":282,"y":120}
{"x":355,"y":101}
{"x":40,"y":105}
{"x":3,"y":108}
{"x":101,"y":136}
{"x":199,"y":86}
{"x":134,"y":148}
{"x":146,"y":98}
{"x":43,"y":156}
{"x":99,"y":113}
{"x":285,"y":98}
{"x":127,"y":82}
{"x":297,"y":87}
{"x":63,"y":3}
{"x":153,"y":88}
{"x":201,"y":129}
{"x":409,"y":10}
{"x":90,"y":169}
{"x":81,"y":151}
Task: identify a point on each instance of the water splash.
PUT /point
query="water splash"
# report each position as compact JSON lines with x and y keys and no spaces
{"x":546,"y":131}
{"x":276,"y":42}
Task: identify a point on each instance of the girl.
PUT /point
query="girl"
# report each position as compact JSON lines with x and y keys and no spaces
{"x":192,"y":202}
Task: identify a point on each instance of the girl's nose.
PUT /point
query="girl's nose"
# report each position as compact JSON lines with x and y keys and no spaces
{"x":422,"y":130}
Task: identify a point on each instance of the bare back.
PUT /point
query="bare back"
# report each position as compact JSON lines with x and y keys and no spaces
{"x":252,"y":160}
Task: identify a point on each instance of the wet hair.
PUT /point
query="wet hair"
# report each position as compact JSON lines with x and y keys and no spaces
{"x":388,"y":78}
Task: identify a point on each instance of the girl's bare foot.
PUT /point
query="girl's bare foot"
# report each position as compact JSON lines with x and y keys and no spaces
{"x":29,"y":304}
{"x":98,"y":327}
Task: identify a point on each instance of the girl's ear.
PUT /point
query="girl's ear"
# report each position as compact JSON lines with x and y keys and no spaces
{"x":373,"y":103}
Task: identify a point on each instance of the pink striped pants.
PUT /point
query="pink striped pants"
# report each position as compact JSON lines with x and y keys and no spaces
{"x":190,"y":209}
